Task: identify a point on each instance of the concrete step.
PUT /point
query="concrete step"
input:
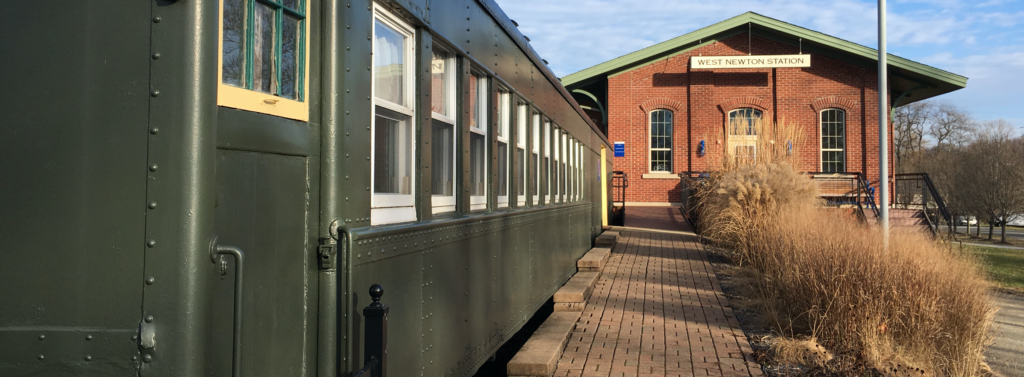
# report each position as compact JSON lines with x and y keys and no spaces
{"x":539,"y":356}
{"x":594,"y":259}
{"x":607,"y":239}
{"x":573,"y":295}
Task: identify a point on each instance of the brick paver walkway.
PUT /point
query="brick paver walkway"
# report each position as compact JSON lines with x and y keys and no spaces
{"x":657,"y":310}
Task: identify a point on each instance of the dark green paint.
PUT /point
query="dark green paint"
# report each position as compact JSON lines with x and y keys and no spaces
{"x":97,"y":127}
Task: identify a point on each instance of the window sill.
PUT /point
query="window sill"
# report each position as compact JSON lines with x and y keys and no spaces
{"x":660,"y":176}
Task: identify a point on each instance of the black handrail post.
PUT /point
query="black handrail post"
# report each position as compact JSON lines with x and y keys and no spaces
{"x":376,"y":334}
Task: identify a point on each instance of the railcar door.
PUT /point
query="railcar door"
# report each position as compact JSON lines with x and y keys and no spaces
{"x":267,"y":188}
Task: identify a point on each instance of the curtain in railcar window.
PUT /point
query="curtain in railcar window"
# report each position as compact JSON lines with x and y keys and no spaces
{"x":521,"y":120}
{"x":478,"y":141}
{"x":504,"y":119}
{"x":389,"y":64}
{"x":393,"y":154}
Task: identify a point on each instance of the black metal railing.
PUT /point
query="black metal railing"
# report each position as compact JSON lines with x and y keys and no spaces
{"x":620,"y":181}
{"x":375,"y":336}
{"x":847,"y":189}
{"x":917,"y":191}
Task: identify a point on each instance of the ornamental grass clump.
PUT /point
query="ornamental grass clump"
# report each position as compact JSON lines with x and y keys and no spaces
{"x":912,"y":308}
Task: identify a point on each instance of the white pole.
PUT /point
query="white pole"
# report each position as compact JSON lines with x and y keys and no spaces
{"x":883,"y":127}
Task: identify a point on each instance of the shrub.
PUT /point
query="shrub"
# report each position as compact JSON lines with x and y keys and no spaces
{"x":913,"y":306}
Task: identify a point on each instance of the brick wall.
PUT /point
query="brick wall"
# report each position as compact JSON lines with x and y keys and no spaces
{"x":702,"y":99}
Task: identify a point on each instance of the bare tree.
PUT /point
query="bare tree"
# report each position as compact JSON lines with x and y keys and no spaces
{"x":950,"y":127}
{"x":909,"y":125}
{"x":995,"y":176}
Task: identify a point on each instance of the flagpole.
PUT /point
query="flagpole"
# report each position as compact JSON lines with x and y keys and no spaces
{"x":883,"y":127}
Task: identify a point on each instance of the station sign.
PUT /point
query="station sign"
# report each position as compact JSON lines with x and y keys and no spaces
{"x":750,"y":61}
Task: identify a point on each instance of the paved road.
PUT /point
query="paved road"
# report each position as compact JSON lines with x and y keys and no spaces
{"x":1010,"y":232}
{"x":1006,"y":355}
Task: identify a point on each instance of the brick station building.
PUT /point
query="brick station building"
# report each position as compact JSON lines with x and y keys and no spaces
{"x":663,"y":109}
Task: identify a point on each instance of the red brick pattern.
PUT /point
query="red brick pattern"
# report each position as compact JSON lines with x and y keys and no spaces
{"x":657,"y":310}
{"x":701,"y":99}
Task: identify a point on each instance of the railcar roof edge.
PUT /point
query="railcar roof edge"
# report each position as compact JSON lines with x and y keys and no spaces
{"x":499,"y":15}
{"x":938,"y":76}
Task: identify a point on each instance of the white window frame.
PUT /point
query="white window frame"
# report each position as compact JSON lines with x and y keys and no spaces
{"x":556,"y":165}
{"x":650,"y":144}
{"x":735,"y":141}
{"x":535,"y":150}
{"x":821,"y":135}
{"x":564,"y":195}
{"x":505,"y":126}
{"x":446,"y":203}
{"x":522,"y":127}
{"x":394,"y":208}
{"x":547,"y":156}
{"x":581,"y":170}
{"x":478,"y":202}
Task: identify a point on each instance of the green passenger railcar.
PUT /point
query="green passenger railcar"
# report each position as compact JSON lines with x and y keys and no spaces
{"x":421,"y":145}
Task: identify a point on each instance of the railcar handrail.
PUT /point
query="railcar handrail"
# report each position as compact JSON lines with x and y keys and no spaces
{"x":216,"y":251}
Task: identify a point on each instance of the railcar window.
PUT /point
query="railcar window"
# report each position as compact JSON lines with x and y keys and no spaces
{"x":565,"y":167}
{"x":556,"y":166}
{"x":263,"y":57}
{"x":833,"y":140}
{"x":478,"y":142}
{"x":442,"y":83}
{"x":442,"y":147}
{"x":546,"y":163}
{"x":522,"y":119}
{"x":535,"y":160}
{"x":394,"y":143}
{"x":504,"y":123}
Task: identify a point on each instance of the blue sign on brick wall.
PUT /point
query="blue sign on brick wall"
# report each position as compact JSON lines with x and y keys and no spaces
{"x":620,"y":149}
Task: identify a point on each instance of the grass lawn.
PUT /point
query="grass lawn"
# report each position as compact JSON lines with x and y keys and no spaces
{"x":1005,"y":267}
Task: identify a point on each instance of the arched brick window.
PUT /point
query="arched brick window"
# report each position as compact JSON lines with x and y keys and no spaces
{"x":661,"y":140}
{"x":833,"y":140}
{"x":742,"y":128}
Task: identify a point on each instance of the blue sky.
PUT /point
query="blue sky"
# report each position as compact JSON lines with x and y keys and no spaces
{"x":983,"y":40}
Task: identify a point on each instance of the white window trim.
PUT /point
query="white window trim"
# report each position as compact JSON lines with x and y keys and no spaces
{"x":547,"y":155}
{"x":446,"y":203}
{"x":535,"y":145}
{"x":522,"y":127}
{"x":650,"y":135}
{"x":478,"y":202}
{"x":556,"y":164}
{"x":821,"y":161}
{"x":564,"y":195}
{"x":734,"y":141}
{"x":394,"y":208}
{"x":504,"y":123}
{"x":582,"y":170}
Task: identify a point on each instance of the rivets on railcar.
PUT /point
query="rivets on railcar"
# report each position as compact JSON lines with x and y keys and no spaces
{"x":152,"y":205}
{"x":134,"y":357}
{"x":150,"y":280}
{"x":367,"y":188}
{"x":156,"y":20}
{"x":367,"y":158}
{"x":147,"y":358}
{"x":88,"y":337}
{"x":154,"y":130}
{"x":41,"y":336}
{"x":88,"y":358}
{"x":348,"y":5}
{"x":135,"y":337}
{"x":40,"y":357}
{"x":151,"y":243}
{"x":153,"y":167}
{"x":149,"y":319}
{"x":346,"y":155}
{"x":347,"y":70}
{"x":156,"y":55}
{"x":155,"y":93}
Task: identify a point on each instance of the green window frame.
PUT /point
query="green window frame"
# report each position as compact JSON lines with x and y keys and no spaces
{"x":283,"y":10}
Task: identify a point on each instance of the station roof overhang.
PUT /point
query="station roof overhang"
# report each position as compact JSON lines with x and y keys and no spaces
{"x":909,"y":81}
